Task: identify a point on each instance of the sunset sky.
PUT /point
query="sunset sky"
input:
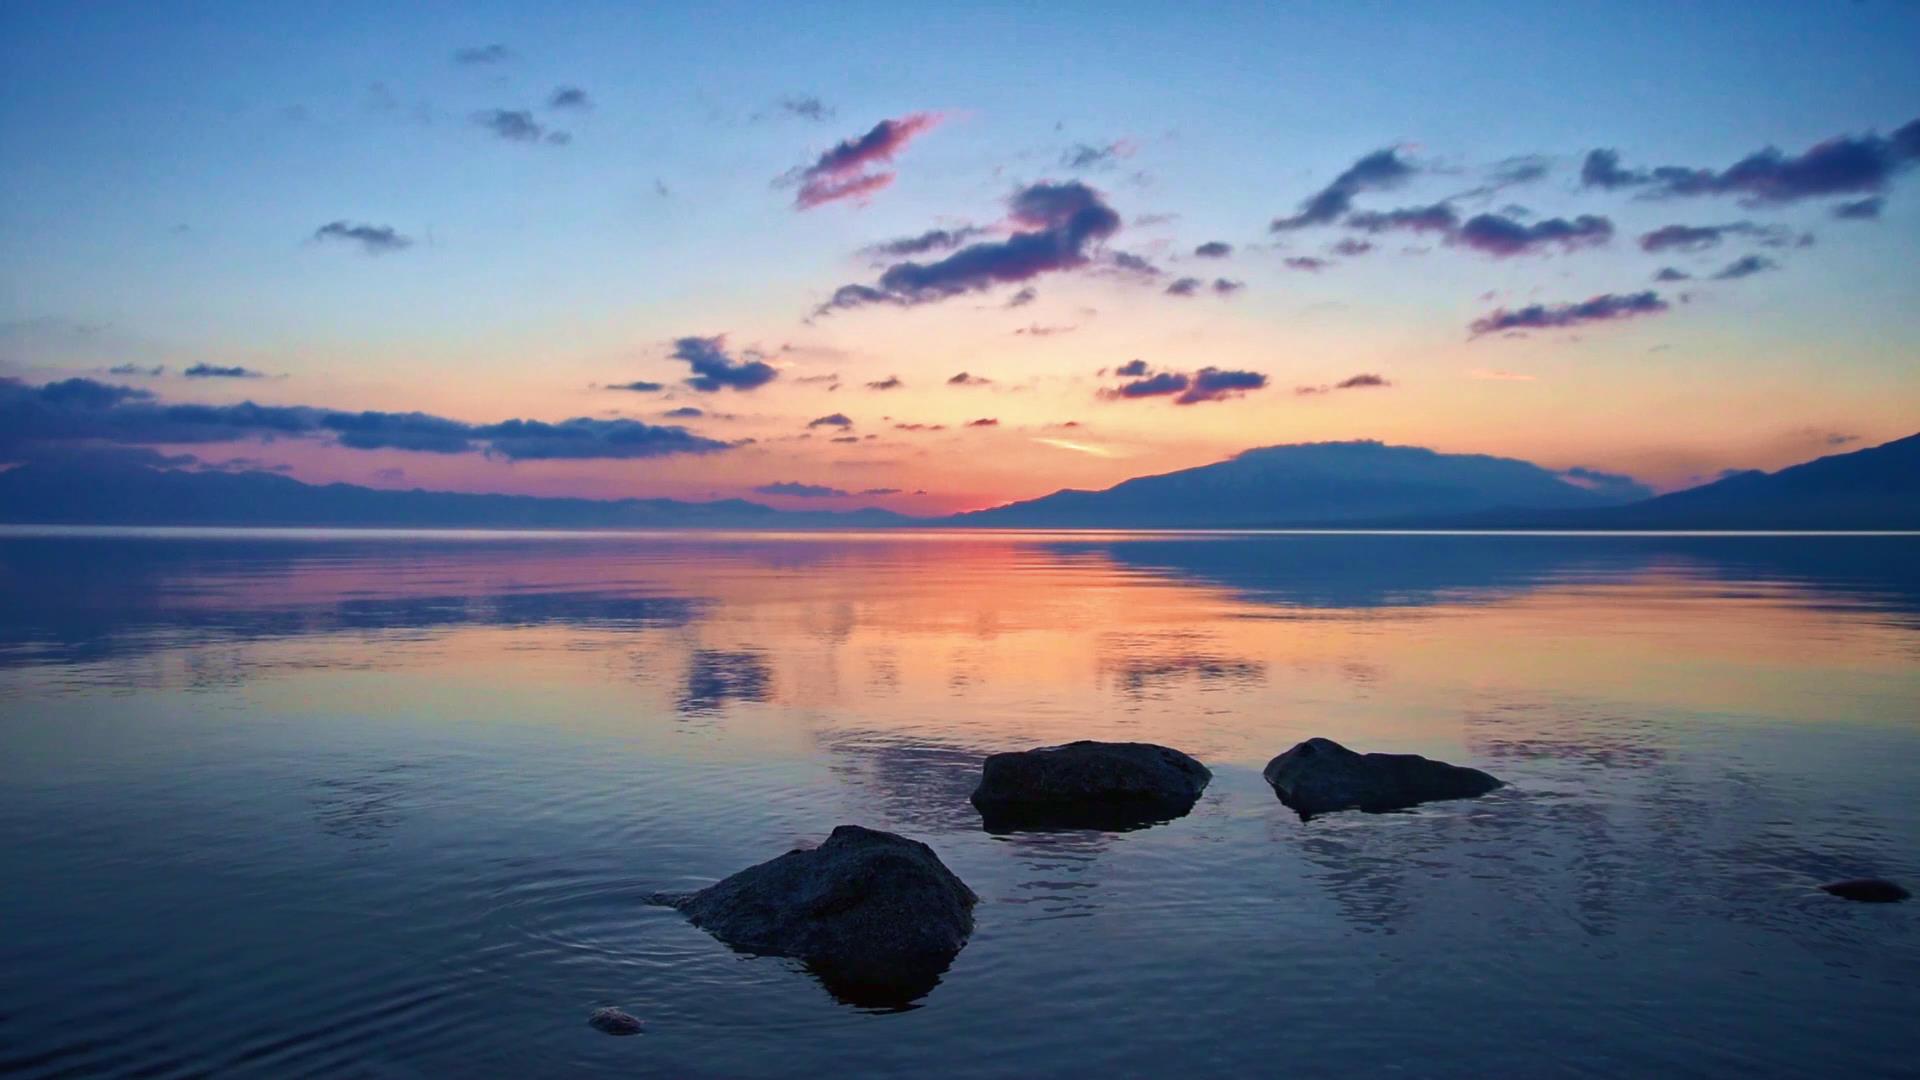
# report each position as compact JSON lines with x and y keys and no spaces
{"x":1654,"y":239}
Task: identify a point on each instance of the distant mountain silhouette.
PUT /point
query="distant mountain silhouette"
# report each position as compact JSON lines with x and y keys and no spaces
{"x":1310,"y":484}
{"x":1875,"y":488}
{"x":120,"y":494}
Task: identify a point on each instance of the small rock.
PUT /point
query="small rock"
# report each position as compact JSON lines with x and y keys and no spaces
{"x":1320,"y":776}
{"x":1867,"y":890}
{"x":614,"y":1022}
{"x":877,"y":917}
{"x":1101,"y":785}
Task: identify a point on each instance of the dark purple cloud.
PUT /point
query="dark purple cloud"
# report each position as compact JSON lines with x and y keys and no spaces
{"x":639,"y":386}
{"x":1351,"y":247}
{"x":1057,"y":224}
{"x":1860,"y":209}
{"x":891,"y":382}
{"x":373,"y":239}
{"x":1214,"y":249}
{"x":1216,"y":384}
{"x":834,"y":420}
{"x":1024,"y":296}
{"x":964,"y":379}
{"x":1701,"y":237}
{"x":1361,"y":382}
{"x":1745,"y":266}
{"x":931,"y":240}
{"x":794,"y":490}
{"x":841,"y":172}
{"x":1378,"y":171}
{"x":1439,"y":217}
{"x":714,"y":370}
{"x":518,"y":125}
{"x":985,"y":421}
{"x":1311,"y":264}
{"x":685,"y":412}
{"x":1186,"y":286}
{"x":1131,"y":369}
{"x":1672,"y":273}
{"x":1502,"y":237}
{"x":1603,"y":308}
{"x":1161,"y":385}
{"x":84,"y":411}
{"x":569,"y":97}
{"x":219,"y":371}
{"x":1844,"y":165}
{"x":880,"y":491}
{"x":1226,"y":286}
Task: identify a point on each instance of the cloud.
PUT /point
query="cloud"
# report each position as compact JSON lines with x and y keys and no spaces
{"x":841,"y":172}
{"x":964,"y":379}
{"x":1214,"y":249}
{"x":834,"y":420}
{"x":1502,"y":236}
{"x":1306,"y":263}
{"x":373,"y":239}
{"x":1378,"y":171}
{"x":1040,"y":330}
{"x":931,"y":240}
{"x":1024,"y":296}
{"x":1843,"y":165}
{"x":1363,"y":381}
{"x":1859,"y":209}
{"x":1745,"y":266}
{"x":1439,"y":217}
{"x":880,"y":491}
{"x":569,"y":97}
{"x":794,"y":490}
{"x":714,"y":370}
{"x":84,"y":411}
{"x":1207,"y":384}
{"x":1351,"y":247}
{"x":483,"y":54}
{"x":518,"y":125}
{"x":891,"y":382}
{"x":920,"y":427}
{"x":135,"y":369}
{"x":217,"y":371}
{"x":639,"y":386}
{"x":985,"y":421}
{"x":1226,"y":286}
{"x":1603,"y":308}
{"x":1086,"y":156}
{"x":1617,"y":485}
{"x":685,"y":412}
{"x":1701,"y":237}
{"x":1186,"y":286}
{"x":807,"y":107}
{"x":1672,"y":273}
{"x":1056,"y":225}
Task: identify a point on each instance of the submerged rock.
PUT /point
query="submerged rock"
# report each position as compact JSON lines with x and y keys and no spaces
{"x":1867,"y":890}
{"x":877,"y":917}
{"x":1086,"y":784}
{"x":614,"y":1022}
{"x":1320,"y":776}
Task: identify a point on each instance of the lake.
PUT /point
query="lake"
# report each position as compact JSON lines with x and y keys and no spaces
{"x":388,"y":804}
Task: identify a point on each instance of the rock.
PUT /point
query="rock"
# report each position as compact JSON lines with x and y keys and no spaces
{"x":877,"y":917}
{"x":614,"y":1022}
{"x":1867,"y":890}
{"x":1099,"y":785}
{"x":1320,"y":776}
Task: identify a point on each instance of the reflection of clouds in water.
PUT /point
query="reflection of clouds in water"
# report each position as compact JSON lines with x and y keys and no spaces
{"x":1159,"y":664}
{"x":718,"y":677}
{"x":364,"y":805}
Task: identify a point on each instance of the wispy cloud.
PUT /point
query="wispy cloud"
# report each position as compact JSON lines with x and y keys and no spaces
{"x":842,"y":171}
{"x":1603,"y":308}
{"x":372,"y":239}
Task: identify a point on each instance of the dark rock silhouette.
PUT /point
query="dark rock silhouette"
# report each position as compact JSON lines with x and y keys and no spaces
{"x":1320,"y":776}
{"x":1085,"y":784}
{"x":877,"y":917}
{"x":614,"y":1022}
{"x":1867,"y":890}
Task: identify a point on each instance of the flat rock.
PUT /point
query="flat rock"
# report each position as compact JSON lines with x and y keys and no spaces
{"x":614,"y":1022}
{"x":1106,"y":785}
{"x":1320,"y":776}
{"x":877,"y":917}
{"x":1867,"y":890}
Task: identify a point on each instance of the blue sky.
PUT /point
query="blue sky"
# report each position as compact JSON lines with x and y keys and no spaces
{"x":166,"y":168}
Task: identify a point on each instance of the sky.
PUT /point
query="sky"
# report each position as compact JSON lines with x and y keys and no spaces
{"x":750,"y":251}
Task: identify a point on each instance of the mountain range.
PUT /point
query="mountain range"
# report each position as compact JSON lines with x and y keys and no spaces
{"x":1308,"y":485}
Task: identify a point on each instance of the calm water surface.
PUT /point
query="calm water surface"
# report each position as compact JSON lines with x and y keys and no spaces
{"x":386,"y":805}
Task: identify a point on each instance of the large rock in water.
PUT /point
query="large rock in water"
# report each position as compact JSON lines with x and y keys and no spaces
{"x":1320,"y":776}
{"x":1085,"y":784}
{"x":1867,"y":890}
{"x":876,"y":916}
